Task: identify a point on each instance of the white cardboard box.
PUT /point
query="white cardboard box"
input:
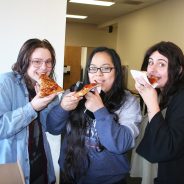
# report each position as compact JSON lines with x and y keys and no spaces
{"x":11,"y":173}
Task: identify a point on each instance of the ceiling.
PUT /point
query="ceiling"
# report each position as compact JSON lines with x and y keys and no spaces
{"x":100,"y":15}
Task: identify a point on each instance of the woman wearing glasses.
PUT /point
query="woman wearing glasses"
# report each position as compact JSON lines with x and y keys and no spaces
{"x":23,"y":113}
{"x":97,"y":129}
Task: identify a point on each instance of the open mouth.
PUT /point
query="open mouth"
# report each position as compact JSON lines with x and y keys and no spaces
{"x":99,"y":81}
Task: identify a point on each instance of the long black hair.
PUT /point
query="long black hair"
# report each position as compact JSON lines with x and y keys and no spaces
{"x":77,"y":160}
{"x":175,"y":68}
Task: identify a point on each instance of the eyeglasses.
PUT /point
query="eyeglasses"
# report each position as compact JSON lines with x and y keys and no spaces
{"x":102,"y":69}
{"x":38,"y":63}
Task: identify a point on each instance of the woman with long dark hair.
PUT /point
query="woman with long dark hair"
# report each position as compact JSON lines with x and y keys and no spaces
{"x":163,"y":140}
{"x":99,"y":128}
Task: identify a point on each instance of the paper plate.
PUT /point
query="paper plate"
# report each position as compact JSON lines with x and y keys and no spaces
{"x":137,"y":74}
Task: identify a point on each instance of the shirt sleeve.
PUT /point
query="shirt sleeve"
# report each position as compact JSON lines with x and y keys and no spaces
{"x":15,"y":112}
{"x":45,"y":111}
{"x":164,"y":137}
{"x":119,"y":137}
{"x":57,"y":120}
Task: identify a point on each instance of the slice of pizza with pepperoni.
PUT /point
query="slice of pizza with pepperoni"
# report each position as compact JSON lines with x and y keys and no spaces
{"x":86,"y":89}
{"x":48,"y":86}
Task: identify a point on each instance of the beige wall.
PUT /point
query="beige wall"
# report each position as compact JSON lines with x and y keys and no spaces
{"x":135,"y":32}
{"x":139,"y":30}
{"x":89,"y":36}
{"x":21,"y":20}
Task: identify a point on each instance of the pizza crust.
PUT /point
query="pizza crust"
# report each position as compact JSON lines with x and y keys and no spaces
{"x":86,"y":89}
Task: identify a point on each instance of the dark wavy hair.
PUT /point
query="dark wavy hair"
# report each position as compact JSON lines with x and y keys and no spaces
{"x":23,"y":59}
{"x":77,"y":160}
{"x":175,"y":68}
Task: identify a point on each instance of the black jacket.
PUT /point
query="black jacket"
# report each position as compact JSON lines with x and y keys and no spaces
{"x":163,"y":142}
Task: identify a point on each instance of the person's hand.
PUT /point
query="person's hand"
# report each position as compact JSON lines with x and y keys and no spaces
{"x":38,"y":103}
{"x":69,"y":101}
{"x":147,"y":92}
{"x":93,"y":101}
{"x":149,"y":95}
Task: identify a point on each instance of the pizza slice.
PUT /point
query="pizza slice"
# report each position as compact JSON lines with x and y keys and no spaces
{"x":48,"y":86}
{"x":86,"y":89}
{"x":153,"y":79}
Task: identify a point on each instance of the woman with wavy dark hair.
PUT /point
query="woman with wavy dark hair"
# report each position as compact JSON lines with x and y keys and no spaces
{"x":23,"y":112}
{"x":163,"y":140}
{"x":99,"y":128}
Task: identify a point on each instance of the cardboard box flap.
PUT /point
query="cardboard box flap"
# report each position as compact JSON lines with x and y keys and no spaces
{"x":11,"y":173}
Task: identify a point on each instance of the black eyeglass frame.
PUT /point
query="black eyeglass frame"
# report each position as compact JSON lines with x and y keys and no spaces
{"x":101,"y":69}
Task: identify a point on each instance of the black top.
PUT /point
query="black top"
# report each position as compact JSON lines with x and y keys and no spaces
{"x":37,"y":157}
{"x":163,"y":142}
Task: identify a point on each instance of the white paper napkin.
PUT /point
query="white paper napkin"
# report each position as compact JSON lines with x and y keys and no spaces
{"x":137,"y":74}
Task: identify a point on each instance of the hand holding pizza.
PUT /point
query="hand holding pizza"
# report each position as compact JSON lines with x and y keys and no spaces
{"x":94,"y":101}
{"x":70,"y":102}
{"x":38,"y":103}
